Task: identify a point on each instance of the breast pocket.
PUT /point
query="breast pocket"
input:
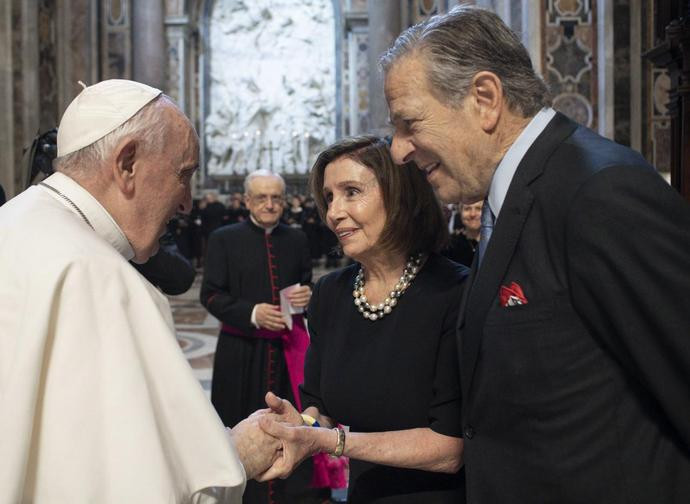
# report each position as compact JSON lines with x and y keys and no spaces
{"x":529,"y":313}
{"x":535,"y":346}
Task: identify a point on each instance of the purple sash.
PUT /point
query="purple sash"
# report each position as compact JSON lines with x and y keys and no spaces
{"x":295,"y":345}
{"x":328,"y":471}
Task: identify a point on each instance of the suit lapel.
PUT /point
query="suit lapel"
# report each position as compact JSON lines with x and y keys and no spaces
{"x":463,"y":305}
{"x":483,"y":291}
{"x":466,"y":291}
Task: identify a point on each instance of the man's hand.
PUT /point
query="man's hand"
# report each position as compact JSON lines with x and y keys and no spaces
{"x":300,"y":296}
{"x":282,"y":420}
{"x":284,"y":410}
{"x":281,"y":410}
{"x":257,"y":450}
{"x":298,"y":443}
{"x":268,"y":316}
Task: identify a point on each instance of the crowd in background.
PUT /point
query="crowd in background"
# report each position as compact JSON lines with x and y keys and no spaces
{"x":209,"y":213}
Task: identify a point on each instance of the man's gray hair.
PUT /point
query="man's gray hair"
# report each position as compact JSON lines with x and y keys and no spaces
{"x":146,"y":125}
{"x":467,"y":40}
{"x":261,"y":173}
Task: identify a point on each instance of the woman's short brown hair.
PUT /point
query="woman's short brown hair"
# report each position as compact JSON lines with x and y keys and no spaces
{"x":414,"y":220}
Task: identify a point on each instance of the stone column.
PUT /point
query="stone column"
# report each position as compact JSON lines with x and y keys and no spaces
{"x":636,"y":75}
{"x":605,"y":68}
{"x":18,"y":89}
{"x":384,"y":27}
{"x":29,"y":68}
{"x":6,"y":100}
{"x":178,"y":68}
{"x":148,"y":43}
{"x":77,"y":48}
{"x":532,"y":32}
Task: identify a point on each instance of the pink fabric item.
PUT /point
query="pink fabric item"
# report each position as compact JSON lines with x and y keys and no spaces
{"x":295,"y":345}
{"x":329,"y":472}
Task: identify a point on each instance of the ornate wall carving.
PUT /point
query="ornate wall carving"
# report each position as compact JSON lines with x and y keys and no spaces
{"x":622,"y":66}
{"x":272,"y":85}
{"x":659,"y":139}
{"x":657,"y":119}
{"x":570,"y":58}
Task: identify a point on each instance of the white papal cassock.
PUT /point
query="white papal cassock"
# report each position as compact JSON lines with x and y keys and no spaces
{"x":97,"y":402}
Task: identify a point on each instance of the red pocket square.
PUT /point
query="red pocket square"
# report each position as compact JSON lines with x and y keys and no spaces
{"x":512,"y":295}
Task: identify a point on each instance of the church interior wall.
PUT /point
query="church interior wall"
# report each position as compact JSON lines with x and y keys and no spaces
{"x":590,"y":52}
{"x":270,"y":83}
{"x":7,"y":171}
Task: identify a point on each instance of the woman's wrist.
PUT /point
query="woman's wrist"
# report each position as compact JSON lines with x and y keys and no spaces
{"x":339,"y":443}
{"x":329,"y":440}
{"x":326,"y":440}
{"x":322,"y":436}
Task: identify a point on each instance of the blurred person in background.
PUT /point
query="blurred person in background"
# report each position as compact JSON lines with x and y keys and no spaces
{"x":464,"y":242}
{"x":294,"y":214}
{"x":212,"y":214}
{"x":311,"y":225}
{"x":236,"y":212}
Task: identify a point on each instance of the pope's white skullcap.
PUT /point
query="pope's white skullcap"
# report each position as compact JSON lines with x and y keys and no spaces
{"x":98,"y":110}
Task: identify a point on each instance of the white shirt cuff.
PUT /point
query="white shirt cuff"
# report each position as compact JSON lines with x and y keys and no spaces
{"x":253,"y":318}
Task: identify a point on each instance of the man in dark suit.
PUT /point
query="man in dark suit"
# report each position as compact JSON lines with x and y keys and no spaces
{"x":574,"y":339}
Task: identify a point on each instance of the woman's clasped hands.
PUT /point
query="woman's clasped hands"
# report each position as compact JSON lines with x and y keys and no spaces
{"x":299,"y":440}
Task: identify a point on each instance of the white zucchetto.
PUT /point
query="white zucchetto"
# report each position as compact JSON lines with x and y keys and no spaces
{"x":100,"y":109}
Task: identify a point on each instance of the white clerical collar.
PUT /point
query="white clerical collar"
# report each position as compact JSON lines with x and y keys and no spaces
{"x":267,"y":230}
{"x":66,"y":190}
{"x":505,"y":171}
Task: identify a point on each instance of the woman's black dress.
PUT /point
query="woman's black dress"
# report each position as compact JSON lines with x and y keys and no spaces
{"x":396,"y":373}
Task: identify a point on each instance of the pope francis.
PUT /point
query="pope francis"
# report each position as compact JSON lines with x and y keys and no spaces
{"x":97,"y":402}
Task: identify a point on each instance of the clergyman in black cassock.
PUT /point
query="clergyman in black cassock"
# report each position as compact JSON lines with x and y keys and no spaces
{"x":247,"y":264}
{"x":237,"y":277}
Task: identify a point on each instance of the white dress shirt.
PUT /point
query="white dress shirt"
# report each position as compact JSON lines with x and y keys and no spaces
{"x":505,"y":171}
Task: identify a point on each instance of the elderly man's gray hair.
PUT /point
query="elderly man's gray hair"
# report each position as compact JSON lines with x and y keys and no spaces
{"x":261,"y":173}
{"x":146,"y":124}
{"x":467,"y":40}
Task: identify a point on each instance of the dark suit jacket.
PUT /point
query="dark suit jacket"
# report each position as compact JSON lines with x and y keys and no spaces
{"x":582,"y":395}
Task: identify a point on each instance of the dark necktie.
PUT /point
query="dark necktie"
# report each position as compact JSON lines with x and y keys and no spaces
{"x":487,"y":227}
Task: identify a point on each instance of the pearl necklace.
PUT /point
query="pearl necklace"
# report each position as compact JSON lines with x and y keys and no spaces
{"x":378,"y":311}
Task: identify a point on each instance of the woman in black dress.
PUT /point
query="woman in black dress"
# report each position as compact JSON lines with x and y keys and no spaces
{"x":383,"y":356}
